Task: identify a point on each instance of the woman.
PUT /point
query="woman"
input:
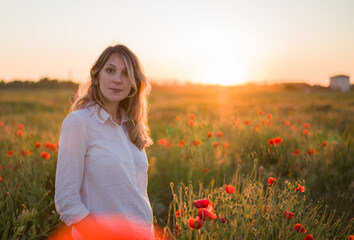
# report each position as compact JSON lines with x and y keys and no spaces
{"x":102,"y":165}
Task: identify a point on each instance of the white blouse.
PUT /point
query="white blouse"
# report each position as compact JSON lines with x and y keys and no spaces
{"x":99,"y":170}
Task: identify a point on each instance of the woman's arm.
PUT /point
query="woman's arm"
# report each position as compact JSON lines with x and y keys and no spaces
{"x":70,"y":170}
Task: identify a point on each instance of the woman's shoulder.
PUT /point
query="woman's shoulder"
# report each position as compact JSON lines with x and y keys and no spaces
{"x":81,"y":115}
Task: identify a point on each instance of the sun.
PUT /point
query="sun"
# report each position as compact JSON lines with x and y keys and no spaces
{"x":225,"y":72}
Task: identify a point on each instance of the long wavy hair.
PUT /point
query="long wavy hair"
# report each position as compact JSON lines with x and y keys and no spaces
{"x":134,"y":104}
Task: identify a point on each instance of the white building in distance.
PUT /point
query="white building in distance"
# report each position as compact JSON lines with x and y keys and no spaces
{"x":340,"y":83}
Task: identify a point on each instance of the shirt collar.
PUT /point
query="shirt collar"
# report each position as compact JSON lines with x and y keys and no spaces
{"x":103,"y":115}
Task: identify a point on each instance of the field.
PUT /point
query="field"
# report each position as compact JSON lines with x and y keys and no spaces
{"x":205,"y":137}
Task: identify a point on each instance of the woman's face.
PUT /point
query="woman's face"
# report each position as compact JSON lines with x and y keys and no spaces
{"x":114,"y":82}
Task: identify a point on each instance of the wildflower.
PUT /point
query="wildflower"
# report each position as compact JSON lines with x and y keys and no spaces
{"x":2,"y":167}
{"x":206,"y":213}
{"x":205,"y":170}
{"x":307,"y":125}
{"x":215,"y":144}
{"x":0,"y":179}
{"x":265,"y":122}
{"x":278,"y":140}
{"x":180,"y":155}
{"x":45,"y":155}
{"x":17,"y":186}
{"x":20,"y":126}
{"x":201,"y":203}
{"x":271,"y":142}
{"x":195,"y":223}
{"x":300,"y":188}
{"x":191,"y":116}
{"x":305,"y":132}
{"x":292,"y":127}
{"x":168,"y":145}
{"x":222,"y":219}
{"x":161,"y":141}
{"x":300,"y":228}
{"x":229,"y":189}
{"x":178,"y":118}
{"x":210,"y":134}
{"x":38,"y":144}
{"x":1,"y":124}
{"x":225,"y":145}
{"x":219,"y":134}
{"x":308,"y":237}
{"x":177,"y":230}
{"x":197,"y":142}
{"x":181,"y":143}
{"x":271,"y":180}
{"x":260,"y":112}
{"x":6,"y":128}
{"x":296,"y":152}
{"x":191,"y":123}
{"x":351,"y":237}
{"x":324,"y":143}
{"x":288,"y":215}
{"x":286,"y":122}
{"x":179,"y":212}
{"x":19,"y":133}
{"x":25,"y":152}
{"x":311,"y":152}
{"x":247,"y":122}
{"x":9,"y":153}
{"x":269,"y":116}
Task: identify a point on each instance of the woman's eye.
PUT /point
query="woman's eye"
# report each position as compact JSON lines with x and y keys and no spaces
{"x":109,"y":70}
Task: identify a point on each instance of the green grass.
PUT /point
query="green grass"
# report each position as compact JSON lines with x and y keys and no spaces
{"x":27,"y":211}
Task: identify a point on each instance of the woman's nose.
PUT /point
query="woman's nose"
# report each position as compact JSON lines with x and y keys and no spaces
{"x":117,"y":78}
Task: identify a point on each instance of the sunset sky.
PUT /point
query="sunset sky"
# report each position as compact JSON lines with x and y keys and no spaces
{"x":222,"y":41}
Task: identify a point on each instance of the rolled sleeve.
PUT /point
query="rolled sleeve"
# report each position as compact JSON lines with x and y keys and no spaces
{"x":70,"y":170}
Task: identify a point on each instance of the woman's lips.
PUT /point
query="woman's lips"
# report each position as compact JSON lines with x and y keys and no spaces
{"x":115,"y":90}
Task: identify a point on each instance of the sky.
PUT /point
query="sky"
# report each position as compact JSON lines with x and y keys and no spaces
{"x":223,"y":42}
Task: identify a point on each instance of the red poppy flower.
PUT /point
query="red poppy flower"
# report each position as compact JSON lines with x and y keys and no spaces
{"x":25,"y":152}
{"x":288,"y":215}
{"x":271,"y":142}
{"x":45,"y":155}
{"x":311,"y":152}
{"x":271,"y":180}
{"x":9,"y":153}
{"x":38,"y":144}
{"x":178,"y":118}
{"x":209,"y":134}
{"x":205,"y":170}
{"x":300,"y":188}
{"x":307,"y":125}
{"x":225,"y":145}
{"x":191,"y":123}
{"x":351,"y":237}
{"x":215,"y":144}
{"x":278,"y":140}
{"x":0,"y":179}
{"x":197,"y":142}
{"x":195,"y":223}
{"x":229,"y":189}
{"x":324,"y":143}
{"x":292,"y":127}
{"x":2,"y":167}
{"x":207,"y":213}
{"x":17,"y":186}
{"x":222,"y":219}
{"x":19,"y":133}
{"x":247,"y":122}
{"x":177,"y":231}
{"x":286,"y":122}
{"x":161,"y":141}
{"x":305,"y":132}
{"x":219,"y":134}
{"x":300,"y":228}
{"x":269,"y":116}
{"x":308,"y":237}
{"x":201,"y":203}
{"x":296,"y":152}
{"x":168,"y":145}
{"x":181,"y":143}
{"x":1,"y":124}
{"x":179,"y":212}
{"x":20,"y":126}
{"x":260,"y":112}
{"x":191,"y":116}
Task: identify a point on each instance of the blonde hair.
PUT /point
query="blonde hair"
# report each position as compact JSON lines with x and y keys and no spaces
{"x":134,"y":104}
